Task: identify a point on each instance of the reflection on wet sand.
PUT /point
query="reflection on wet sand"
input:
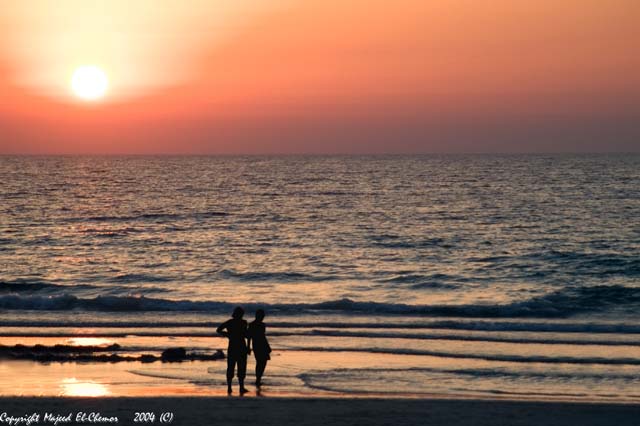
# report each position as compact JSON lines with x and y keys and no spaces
{"x":74,"y":387}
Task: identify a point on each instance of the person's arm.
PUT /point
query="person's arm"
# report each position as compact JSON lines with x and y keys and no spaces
{"x":249,"y":340}
{"x":267,"y":340}
{"x":221,"y":329}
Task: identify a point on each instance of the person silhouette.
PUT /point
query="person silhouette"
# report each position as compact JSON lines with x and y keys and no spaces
{"x":257,"y":335}
{"x":235,"y":330}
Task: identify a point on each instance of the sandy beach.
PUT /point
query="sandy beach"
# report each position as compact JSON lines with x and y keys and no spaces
{"x":290,"y":411}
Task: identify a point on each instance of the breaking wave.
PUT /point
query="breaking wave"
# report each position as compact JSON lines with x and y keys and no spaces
{"x":487,"y":357}
{"x":560,"y":304}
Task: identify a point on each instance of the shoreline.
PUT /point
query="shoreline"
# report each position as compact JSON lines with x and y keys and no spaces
{"x":331,"y":376}
{"x":316,"y":411}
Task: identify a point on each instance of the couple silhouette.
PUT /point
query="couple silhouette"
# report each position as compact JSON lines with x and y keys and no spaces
{"x":242,"y":338}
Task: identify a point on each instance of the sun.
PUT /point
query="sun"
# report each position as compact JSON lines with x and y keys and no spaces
{"x":89,"y":83}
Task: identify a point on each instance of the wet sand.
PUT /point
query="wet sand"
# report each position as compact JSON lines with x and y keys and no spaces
{"x":322,"y":412}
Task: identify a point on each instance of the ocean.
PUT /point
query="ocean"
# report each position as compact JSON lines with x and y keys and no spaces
{"x":514,"y":276}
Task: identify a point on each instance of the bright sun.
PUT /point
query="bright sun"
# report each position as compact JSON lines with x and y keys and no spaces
{"x":89,"y":83}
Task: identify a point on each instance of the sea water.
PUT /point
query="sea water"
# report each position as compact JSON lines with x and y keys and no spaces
{"x":482,"y":275}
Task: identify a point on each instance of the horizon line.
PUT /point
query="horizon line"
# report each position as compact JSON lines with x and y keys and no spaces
{"x":328,"y":154}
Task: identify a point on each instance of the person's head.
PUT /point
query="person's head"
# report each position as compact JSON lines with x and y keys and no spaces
{"x":260,"y":314}
{"x":238,"y":313}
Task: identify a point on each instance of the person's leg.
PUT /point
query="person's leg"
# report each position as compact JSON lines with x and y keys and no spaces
{"x":231,"y":364}
{"x":261,"y":364}
{"x":242,"y":372}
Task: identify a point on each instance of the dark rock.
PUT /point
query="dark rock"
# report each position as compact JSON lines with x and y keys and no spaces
{"x":174,"y":355}
{"x":148,"y":358}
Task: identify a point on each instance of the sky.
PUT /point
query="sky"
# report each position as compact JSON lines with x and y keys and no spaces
{"x":321,"y":76}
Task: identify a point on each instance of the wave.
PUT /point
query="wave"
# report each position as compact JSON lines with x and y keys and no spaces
{"x":143,"y":331}
{"x":423,"y":379}
{"x":26,"y":286}
{"x":476,"y":325}
{"x":486,"y":357}
{"x":150,"y":217}
{"x":547,"y":327}
{"x":572,"y":263}
{"x":467,"y":338}
{"x":135,"y":278}
{"x":397,"y":242}
{"x":110,"y":232}
{"x":273,"y":276}
{"x":559,"y":304}
{"x":482,"y":325}
{"x":419,"y":281}
{"x":487,"y":372}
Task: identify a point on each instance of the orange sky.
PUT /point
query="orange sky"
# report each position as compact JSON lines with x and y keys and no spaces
{"x":322,"y":76}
